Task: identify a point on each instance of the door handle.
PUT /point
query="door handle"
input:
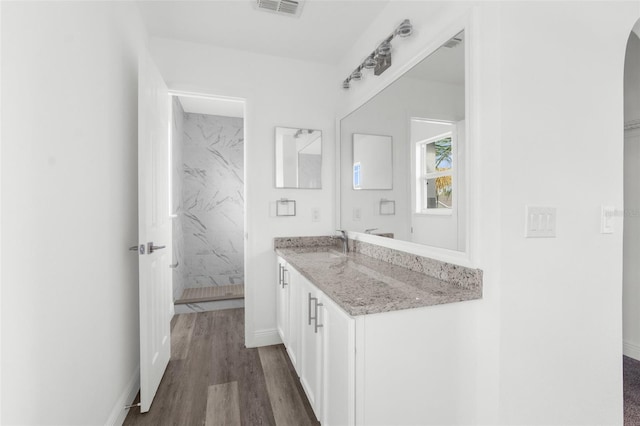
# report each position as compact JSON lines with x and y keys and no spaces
{"x":151,"y":248}
{"x":139,"y":249}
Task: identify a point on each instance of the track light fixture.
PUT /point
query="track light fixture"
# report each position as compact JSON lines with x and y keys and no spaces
{"x":380,"y":59}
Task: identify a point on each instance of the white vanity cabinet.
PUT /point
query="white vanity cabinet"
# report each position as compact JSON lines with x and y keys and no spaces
{"x":282,"y":300}
{"x":320,"y":340}
{"x":404,"y":366}
{"x":338,"y":366}
{"x":311,"y":333}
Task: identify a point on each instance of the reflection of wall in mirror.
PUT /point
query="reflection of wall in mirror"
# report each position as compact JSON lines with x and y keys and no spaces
{"x":389,"y":113}
{"x":374,"y":154}
{"x":298,"y":158}
{"x":309,"y":170}
{"x":289,"y":162}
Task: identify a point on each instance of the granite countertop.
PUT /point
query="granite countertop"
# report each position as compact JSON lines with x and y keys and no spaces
{"x":363,"y":285}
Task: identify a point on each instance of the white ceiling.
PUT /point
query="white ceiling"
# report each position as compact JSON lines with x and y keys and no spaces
{"x":212,"y":106}
{"x":445,"y":65}
{"x":323,"y":32}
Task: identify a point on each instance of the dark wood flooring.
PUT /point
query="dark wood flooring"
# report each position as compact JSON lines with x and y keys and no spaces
{"x":212,"y":379}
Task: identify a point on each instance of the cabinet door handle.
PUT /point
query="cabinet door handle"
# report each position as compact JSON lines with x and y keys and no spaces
{"x":284,"y":277}
{"x":317,"y":326}
{"x":280,"y":273}
{"x":309,"y":315}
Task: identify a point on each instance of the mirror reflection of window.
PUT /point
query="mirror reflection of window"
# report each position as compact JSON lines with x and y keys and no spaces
{"x":435,"y":166}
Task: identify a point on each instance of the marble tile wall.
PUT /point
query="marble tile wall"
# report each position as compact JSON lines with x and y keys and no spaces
{"x":213,"y":200}
{"x":177,"y":131}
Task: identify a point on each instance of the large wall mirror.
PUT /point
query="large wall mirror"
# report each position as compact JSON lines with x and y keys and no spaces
{"x":298,"y":158}
{"x":421,"y":156}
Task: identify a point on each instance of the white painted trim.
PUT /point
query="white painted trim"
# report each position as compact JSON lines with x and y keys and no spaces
{"x":200,"y":95}
{"x":631,"y":350}
{"x":265,"y":337}
{"x":119,"y":413}
{"x":468,"y":258}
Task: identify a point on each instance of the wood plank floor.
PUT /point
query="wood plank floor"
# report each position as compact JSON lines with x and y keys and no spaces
{"x":207,"y":294}
{"x":212,"y":379}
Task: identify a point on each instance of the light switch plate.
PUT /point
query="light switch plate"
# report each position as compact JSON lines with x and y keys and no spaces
{"x":607,"y":215}
{"x":540,"y":222}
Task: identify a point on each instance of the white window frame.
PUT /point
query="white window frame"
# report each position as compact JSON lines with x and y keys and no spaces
{"x":421,"y":175}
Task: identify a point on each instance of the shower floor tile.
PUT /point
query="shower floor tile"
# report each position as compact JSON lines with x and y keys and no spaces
{"x":207,"y":294}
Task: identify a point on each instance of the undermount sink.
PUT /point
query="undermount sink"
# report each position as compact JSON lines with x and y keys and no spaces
{"x":329,"y":254}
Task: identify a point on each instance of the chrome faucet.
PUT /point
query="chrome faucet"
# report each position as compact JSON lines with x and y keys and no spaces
{"x":370,"y":230}
{"x":345,"y":240}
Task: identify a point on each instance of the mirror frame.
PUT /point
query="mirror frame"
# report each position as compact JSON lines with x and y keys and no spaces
{"x":468,"y":257}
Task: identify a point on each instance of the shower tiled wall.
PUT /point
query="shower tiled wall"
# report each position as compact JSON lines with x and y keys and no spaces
{"x":213,"y":200}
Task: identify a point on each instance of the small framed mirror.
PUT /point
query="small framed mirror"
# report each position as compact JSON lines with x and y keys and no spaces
{"x":372,"y":162}
{"x":298,"y":158}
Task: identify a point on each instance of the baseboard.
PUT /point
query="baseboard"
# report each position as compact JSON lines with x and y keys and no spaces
{"x":265,"y":338}
{"x":631,"y":350}
{"x":129,"y":393}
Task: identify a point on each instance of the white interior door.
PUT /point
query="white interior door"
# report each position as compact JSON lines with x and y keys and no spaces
{"x":154,"y":224}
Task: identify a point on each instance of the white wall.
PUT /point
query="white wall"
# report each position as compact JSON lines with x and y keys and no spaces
{"x":69,"y":211}
{"x":278,"y":92}
{"x":561,"y":310}
{"x":552,"y":307}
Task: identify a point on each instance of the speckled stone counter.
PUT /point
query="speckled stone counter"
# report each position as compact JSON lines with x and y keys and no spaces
{"x":363,"y":285}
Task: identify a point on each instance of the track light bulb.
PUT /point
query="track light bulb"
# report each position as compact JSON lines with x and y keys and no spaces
{"x":384,"y":49}
{"x":370,"y":63}
{"x":405,"y":29}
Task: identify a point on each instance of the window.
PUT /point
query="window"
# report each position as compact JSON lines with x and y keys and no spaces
{"x":434,"y":174}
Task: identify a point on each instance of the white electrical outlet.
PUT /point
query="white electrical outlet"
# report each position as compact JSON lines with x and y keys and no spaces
{"x":315,"y":214}
{"x":607,"y":214}
{"x":540,"y":222}
{"x":357,"y":213}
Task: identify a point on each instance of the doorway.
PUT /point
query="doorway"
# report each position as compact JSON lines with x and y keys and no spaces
{"x":208,"y":203}
{"x":631,"y":247}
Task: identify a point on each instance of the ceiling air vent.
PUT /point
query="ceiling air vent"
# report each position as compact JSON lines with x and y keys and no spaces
{"x":455,"y":41}
{"x":283,"y":7}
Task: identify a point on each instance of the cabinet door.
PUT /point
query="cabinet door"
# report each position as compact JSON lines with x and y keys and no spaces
{"x":338,"y":402}
{"x":295,"y":315}
{"x":311,"y":353}
{"x":282,"y":301}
